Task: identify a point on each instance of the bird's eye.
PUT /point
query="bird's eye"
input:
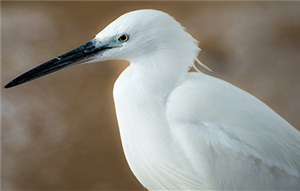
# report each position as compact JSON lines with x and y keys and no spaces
{"x":123,"y":38}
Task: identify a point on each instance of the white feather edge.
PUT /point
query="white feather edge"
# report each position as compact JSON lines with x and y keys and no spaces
{"x":201,"y":64}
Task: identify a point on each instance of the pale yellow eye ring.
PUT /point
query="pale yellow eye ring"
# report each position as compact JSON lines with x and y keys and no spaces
{"x":123,"y":38}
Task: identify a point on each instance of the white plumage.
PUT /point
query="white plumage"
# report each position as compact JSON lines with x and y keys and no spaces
{"x":191,"y":131}
{"x":188,"y":131}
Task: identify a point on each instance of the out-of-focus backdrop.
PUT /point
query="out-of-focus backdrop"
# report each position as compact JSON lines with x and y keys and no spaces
{"x":61,"y":132}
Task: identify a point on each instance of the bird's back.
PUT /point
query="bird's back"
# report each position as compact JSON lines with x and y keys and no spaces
{"x":231,"y":138}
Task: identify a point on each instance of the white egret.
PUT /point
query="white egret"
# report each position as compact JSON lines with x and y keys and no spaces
{"x":181,"y":130}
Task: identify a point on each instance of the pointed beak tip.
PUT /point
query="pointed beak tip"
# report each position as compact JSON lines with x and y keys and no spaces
{"x":9,"y":85}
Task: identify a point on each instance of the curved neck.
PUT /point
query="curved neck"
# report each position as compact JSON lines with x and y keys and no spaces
{"x":157,"y":77}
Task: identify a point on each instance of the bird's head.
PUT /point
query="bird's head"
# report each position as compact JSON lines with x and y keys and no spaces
{"x":134,"y":36}
{"x":146,"y":34}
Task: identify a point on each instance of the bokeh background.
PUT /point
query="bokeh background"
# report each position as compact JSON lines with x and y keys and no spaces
{"x":61,"y":132}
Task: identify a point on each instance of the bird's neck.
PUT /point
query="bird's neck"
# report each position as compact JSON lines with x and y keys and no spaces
{"x":140,"y":96}
{"x":157,"y":77}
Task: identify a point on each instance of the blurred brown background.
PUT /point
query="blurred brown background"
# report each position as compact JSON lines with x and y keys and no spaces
{"x":60,"y":131}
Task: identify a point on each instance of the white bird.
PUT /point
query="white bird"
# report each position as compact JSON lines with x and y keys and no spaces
{"x":181,"y":130}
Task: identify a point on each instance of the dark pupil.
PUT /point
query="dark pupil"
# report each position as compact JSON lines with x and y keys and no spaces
{"x":123,"y":37}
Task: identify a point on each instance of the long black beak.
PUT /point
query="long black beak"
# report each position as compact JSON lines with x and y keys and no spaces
{"x":79,"y":55}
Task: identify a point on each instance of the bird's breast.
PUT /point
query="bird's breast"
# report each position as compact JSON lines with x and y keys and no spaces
{"x":150,"y":150}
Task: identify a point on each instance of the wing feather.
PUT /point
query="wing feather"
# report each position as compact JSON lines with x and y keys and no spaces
{"x":231,"y":131}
